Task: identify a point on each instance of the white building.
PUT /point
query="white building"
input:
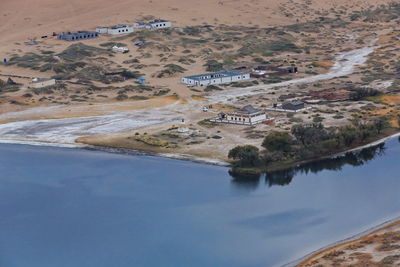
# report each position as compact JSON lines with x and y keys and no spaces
{"x":120,"y":49}
{"x":248,"y":115}
{"x":102,"y":30}
{"x":40,"y":83}
{"x":159,"y":24}
{"x":139,"y":25}
{"x":215,"y":78}
{"x":119,"y":29}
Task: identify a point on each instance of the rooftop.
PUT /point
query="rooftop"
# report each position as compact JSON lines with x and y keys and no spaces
{"x":119,"y":27}
{"x":294,"y":102}
{"x":225,"y":73}
{"x":78,"y":33}
{"x":159,"y":20}
{"x":249,"y":109}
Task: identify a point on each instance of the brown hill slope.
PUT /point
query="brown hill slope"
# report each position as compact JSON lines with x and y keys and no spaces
{"x":23,"y":19}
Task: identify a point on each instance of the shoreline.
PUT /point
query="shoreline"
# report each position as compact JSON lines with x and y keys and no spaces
{"x":125,"y":151}
{"x":301,"y":262}
{"x":278,"y":166}
{"x":184,"y":157}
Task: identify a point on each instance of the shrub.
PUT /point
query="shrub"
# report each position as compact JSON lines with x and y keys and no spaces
{"x":213,"y":65}
{"x":278,"y":141}
{"x":212,"y":88}
{"x":246,"y":155}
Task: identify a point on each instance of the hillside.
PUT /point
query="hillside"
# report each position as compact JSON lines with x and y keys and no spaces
{"x":23,"y":19}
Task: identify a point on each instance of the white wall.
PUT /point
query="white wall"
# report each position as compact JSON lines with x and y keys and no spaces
{"x":43,"y":83}
{"x":161,"y":25}
{"x":259,"y":118}
{"x":101,"y":30}
{"x":124,"y":30}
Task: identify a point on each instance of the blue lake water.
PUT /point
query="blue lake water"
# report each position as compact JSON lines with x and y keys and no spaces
{"x":66,"y":207}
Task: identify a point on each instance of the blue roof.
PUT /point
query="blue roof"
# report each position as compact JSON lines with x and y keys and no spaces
{"x":225,"y":73}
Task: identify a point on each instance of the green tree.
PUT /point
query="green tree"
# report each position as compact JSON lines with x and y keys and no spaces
{"x":278,"y":141}
{"x":246,"y":155}
{"x":310,"y":134}
{"x":380,"y":124}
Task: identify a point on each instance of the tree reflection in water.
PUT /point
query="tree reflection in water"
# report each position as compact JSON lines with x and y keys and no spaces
{"x":284,"y":177}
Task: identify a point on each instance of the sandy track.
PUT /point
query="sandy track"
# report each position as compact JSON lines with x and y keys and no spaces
{"x":65,"y":131}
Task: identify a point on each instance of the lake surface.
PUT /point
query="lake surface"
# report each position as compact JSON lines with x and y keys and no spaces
{"x":67,"y":207}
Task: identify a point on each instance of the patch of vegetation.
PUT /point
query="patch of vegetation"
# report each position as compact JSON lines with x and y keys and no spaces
{"x":192,"y":30}
{"x":245,"y":156}
{"x":170,"y":69}
{"x":212,"y":87}
{"x":261,"y":47}
{"x":162,"y":92}
{"x":150,"y":140}
{"x":139,"y":97}
{"x":243,"y":84}
{"x":207,"y":124}
{"x":193,"y":41}
{"x":363,"y":93}
{"x":305,"y":142}
{"x":7,"y":88}
{"x":81,"y":51}
{"x":213,"y":65}
{"x":111,"y":44}
{"x":275,"y":79}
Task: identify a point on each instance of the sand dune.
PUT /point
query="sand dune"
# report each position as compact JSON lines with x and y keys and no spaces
{"x":23,"y":19}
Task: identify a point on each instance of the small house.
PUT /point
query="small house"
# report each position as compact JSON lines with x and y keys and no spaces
{"x":293,"y":105}
{"x":120,"y":29}
{"x":77,"y":36}
{"x":159,"y":24}
{"x":41,"y":83}
{"x":215,"y":78}
{"x":247,"y":115}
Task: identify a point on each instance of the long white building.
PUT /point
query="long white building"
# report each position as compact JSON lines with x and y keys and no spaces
{"x":119,"y":29}
{"x":215,"y":78}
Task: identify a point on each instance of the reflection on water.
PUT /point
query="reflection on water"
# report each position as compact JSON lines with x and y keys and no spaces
{"x":284,"y":177}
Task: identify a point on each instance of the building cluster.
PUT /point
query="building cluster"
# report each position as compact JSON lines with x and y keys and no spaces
{"x":115,"y":30}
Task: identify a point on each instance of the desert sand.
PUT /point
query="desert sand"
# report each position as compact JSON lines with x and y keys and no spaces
{"x":24,"y":19}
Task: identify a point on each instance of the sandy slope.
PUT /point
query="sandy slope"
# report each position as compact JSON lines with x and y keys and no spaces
{"x":23,"y":19}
